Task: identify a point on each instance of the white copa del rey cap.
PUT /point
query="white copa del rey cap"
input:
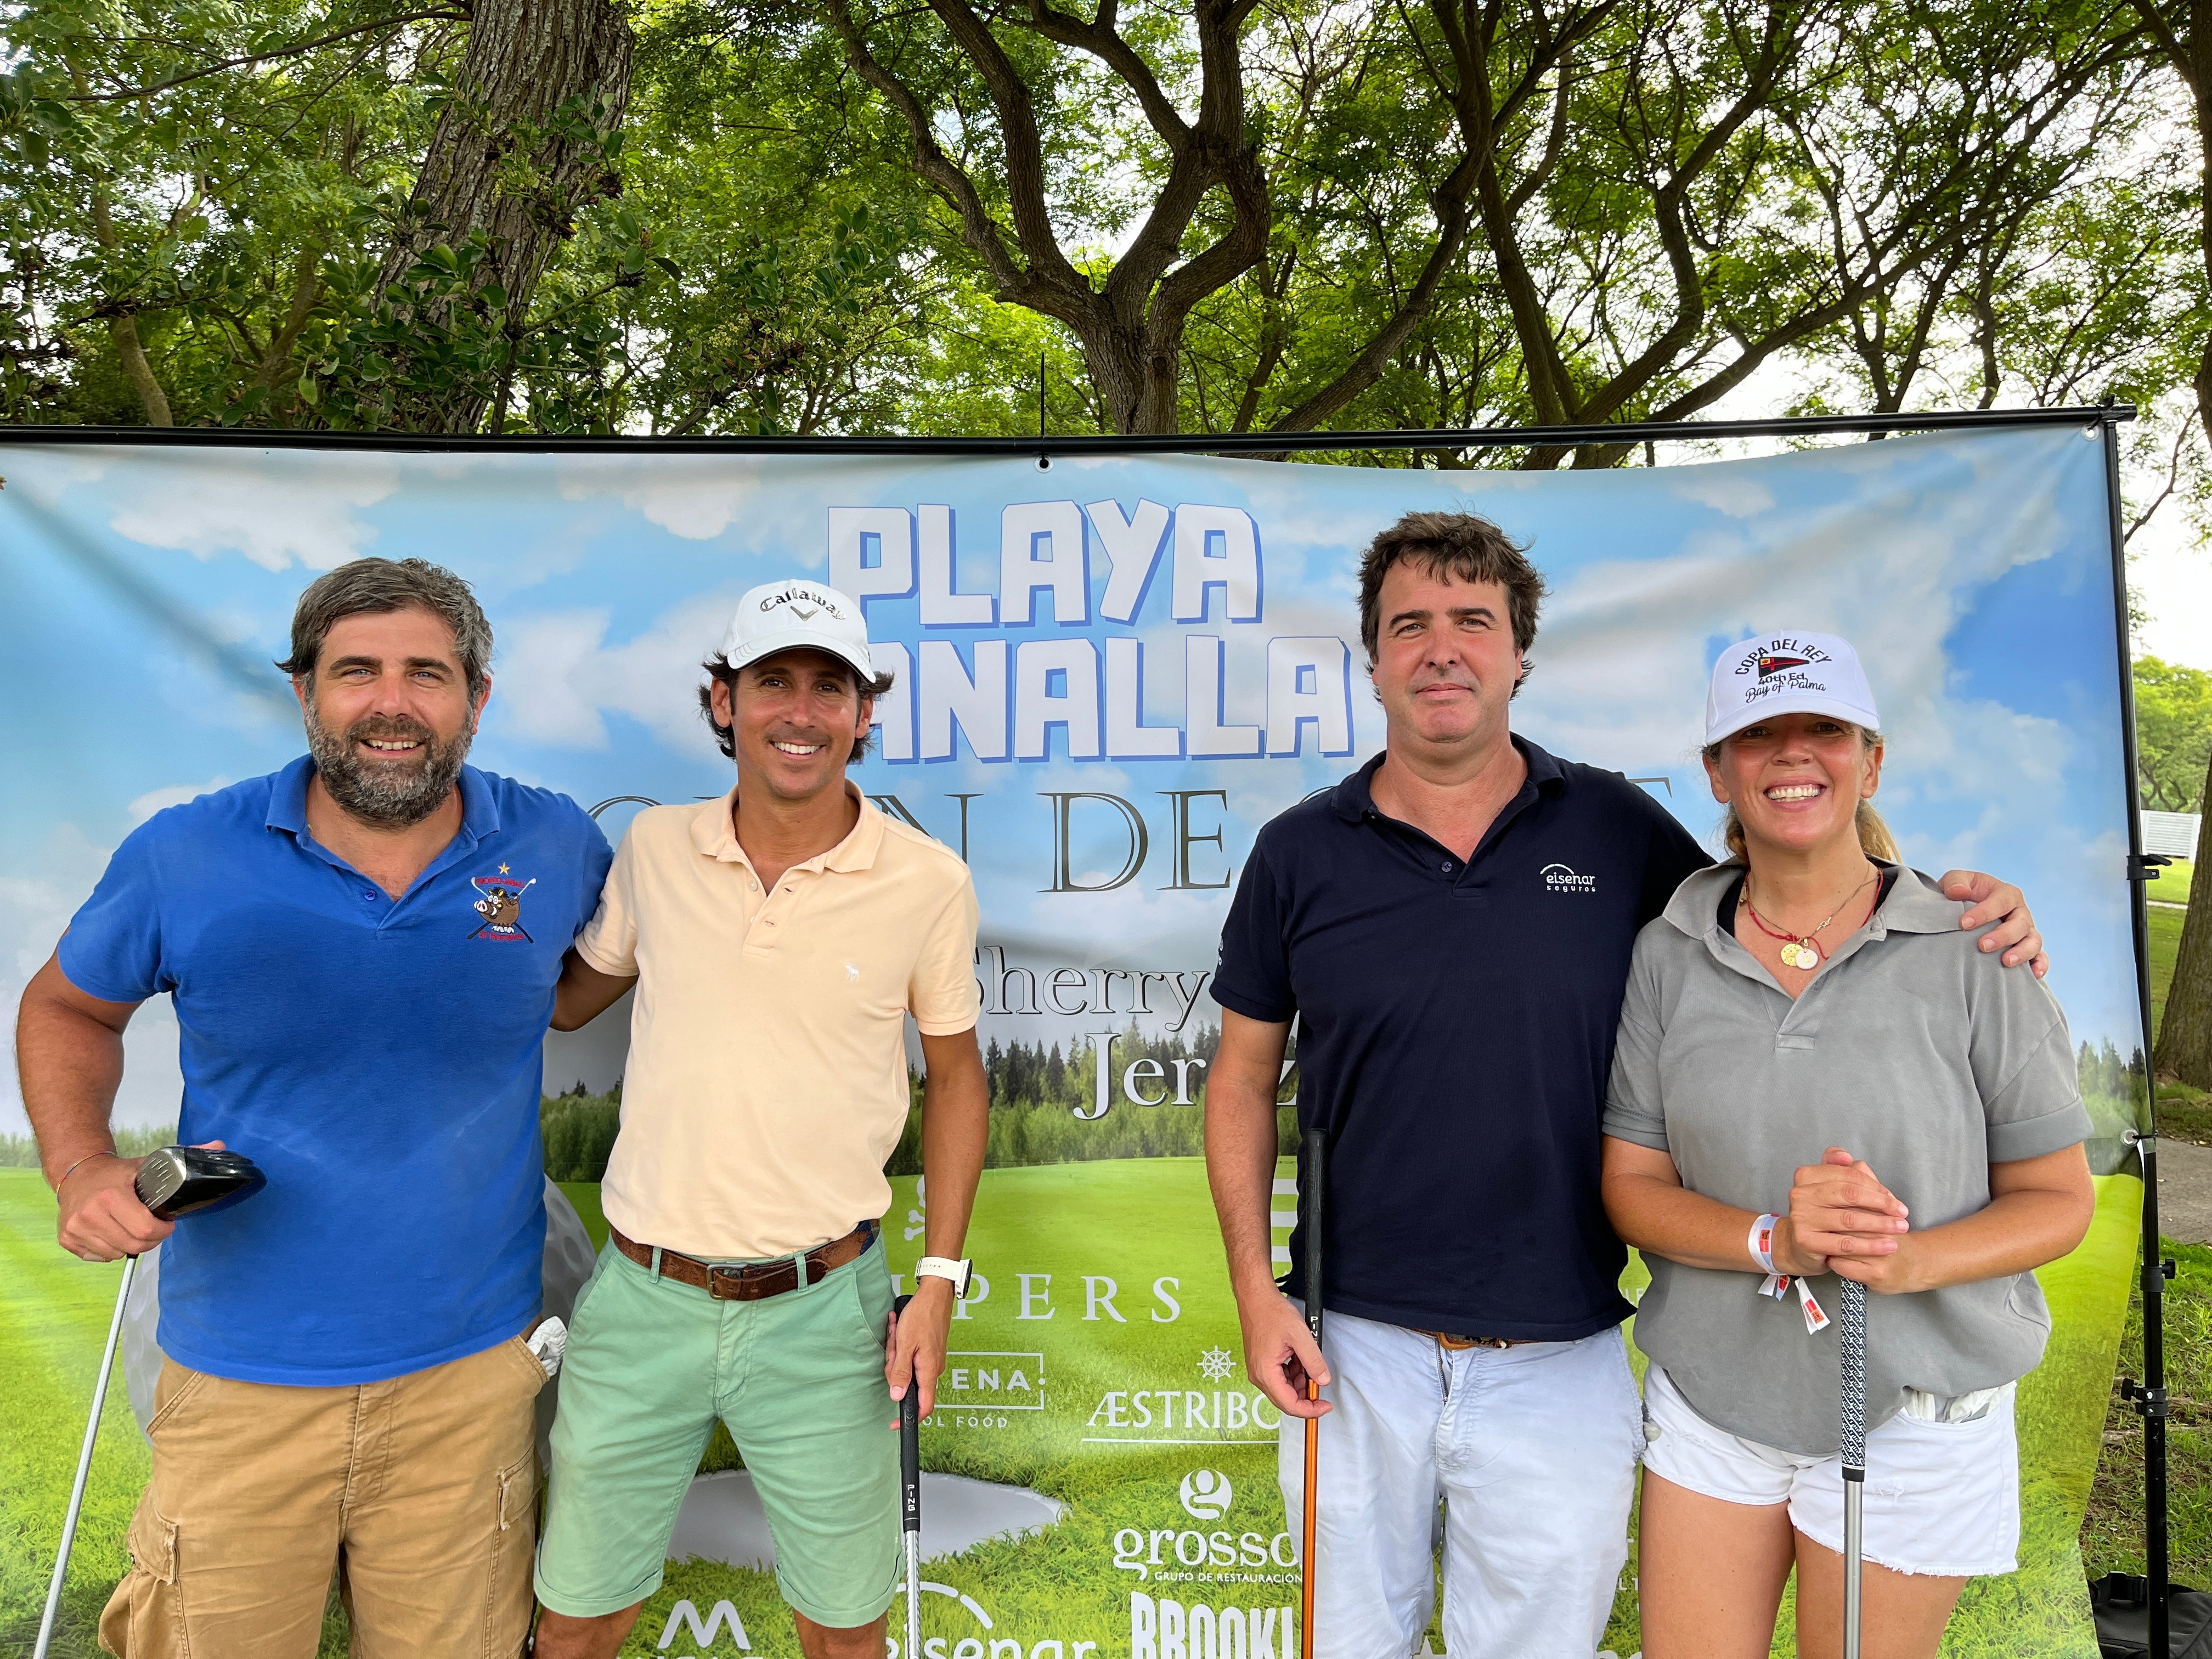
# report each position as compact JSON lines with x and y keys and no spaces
{"x":797,"y":615}
{"x":1788,"y":674}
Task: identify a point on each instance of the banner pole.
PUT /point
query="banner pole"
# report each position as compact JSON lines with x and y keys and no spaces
{"x":1068,"y":443}
{"x":2149,"y":1399}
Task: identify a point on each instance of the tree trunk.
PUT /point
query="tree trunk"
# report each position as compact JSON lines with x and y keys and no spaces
{"x":525,"y":59}
{"x":124,"y":331}
{"x":2184,"y":1030}
{"x":122,"y":325}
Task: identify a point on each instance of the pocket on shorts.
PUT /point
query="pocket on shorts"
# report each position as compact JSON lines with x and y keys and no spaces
{"x":177,"y":1385}
{"x":518,"y":1492}
{"x":514,"y":1548}
{"x":145,"y":1616}
{"x":151,"y":1542}
{"x":527,"y":1372}
{"x":1998,"y":1410}
{"x":870,"y":1293}
{"x":599,"y":1268}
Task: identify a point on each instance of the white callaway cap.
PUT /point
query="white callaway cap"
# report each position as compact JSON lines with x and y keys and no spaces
{"x":796,"y":615}
{"x":1788,"y":674}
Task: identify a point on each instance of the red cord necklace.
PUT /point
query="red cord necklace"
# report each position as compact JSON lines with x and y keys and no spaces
{"x":1804,"y":952}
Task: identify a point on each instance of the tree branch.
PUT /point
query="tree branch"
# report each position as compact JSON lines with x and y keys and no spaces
{"x":292,"y":50}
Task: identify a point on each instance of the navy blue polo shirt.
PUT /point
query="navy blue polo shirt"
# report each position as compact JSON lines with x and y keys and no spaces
{"x":1455,"y":1031}
{"x":380,"y":1059}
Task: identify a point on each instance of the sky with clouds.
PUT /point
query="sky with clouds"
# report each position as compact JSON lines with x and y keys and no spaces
{"x":148,"y":590}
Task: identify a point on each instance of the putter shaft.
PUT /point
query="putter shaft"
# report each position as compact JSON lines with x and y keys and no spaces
{"x":1852,"y":1349}
{"x":84,"y":1464}
{"x":910,"y":1518}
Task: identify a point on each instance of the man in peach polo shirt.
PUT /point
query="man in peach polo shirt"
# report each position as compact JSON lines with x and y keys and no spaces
{"x":779,"y":937}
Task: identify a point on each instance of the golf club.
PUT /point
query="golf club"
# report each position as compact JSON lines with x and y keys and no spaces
{"x":910,"y":1476}
{"x":1316,"y":1159}
{"x":1851,"y":1346}
{"x":174,"y":1181}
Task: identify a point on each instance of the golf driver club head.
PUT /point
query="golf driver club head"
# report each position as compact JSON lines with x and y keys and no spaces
{"x":177,"y":1181}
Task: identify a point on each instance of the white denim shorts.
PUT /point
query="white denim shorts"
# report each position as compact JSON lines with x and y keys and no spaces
{"x":1942,"y":1498}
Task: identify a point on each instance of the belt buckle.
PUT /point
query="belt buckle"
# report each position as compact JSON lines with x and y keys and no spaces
{"x":749,"y":1283}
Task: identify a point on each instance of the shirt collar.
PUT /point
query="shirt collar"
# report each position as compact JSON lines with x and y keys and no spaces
{"x":1915,"y":905}
{"x":1354,"y":796}
{"x":288,"y":801}
{"x":715,"y":833}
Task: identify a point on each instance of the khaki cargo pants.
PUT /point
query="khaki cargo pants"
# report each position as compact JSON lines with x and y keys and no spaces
{"x":420,"y":1491}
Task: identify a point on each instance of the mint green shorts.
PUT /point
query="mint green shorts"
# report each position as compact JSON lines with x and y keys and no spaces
{"x":798,"y":1378}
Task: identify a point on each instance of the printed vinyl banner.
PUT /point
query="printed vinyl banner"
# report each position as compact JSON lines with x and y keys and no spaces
{"x":1110,"y":674}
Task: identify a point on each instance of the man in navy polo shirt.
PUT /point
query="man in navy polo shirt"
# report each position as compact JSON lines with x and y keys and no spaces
{"x":1451,"y":928}
{"x":361,"y":949}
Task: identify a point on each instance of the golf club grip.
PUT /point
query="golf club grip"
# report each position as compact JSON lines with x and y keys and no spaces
{"x":1851,"y":1351}
{"x":910,"y":1442}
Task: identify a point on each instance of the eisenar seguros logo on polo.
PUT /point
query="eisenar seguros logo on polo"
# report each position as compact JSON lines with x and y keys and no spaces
{"x":1561,"y":878}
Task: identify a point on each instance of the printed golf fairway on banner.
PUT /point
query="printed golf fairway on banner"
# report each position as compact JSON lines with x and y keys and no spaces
{"x":1110,"y":674}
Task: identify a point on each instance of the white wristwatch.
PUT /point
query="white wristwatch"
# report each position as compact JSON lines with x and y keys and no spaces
{"x":944,"y":1266}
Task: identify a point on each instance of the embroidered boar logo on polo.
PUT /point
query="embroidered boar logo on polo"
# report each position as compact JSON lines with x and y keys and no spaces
{"x":500,"y":908}
{"x":1559,"y":878}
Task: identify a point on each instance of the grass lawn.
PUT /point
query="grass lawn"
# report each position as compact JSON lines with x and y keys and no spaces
{"x":2112,"y":1539}
{"x":2174,"y":882}
{"x":53,"y":1321}
{"x":2184,"y":1113}
{"x":2164,"y":941}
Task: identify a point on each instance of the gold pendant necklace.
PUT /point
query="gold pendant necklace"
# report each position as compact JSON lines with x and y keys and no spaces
{"x":1803,"y":951}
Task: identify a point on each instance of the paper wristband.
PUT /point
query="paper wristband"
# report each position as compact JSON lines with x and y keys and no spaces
{"x":1761,"y":1242}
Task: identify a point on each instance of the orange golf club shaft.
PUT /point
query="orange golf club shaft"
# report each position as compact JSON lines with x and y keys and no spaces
{"x":1314,"y":1159}
{"x":1313,"y":1492}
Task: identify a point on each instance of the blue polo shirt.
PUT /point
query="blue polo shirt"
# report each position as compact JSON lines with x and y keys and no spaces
{"x":380,"y":1059}
{"x":1454,"y":1031}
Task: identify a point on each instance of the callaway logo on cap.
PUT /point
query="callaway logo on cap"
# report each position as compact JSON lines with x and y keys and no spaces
{"x":796,"y":615}
{"x":1788,"y":674}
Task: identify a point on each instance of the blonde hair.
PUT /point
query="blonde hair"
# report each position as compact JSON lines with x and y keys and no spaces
{"x":1875,"y":839}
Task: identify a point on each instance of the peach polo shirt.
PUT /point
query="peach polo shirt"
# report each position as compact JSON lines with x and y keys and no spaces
{"x":766,"y":1076}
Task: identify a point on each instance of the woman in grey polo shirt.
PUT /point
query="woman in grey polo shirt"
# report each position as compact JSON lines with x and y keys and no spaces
{"x":1819,"y":1073}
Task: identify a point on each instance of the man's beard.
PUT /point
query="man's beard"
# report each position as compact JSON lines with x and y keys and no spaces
{"x":391,"y":794}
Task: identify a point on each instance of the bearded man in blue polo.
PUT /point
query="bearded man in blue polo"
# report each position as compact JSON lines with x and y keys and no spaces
{"x":361,"y":949}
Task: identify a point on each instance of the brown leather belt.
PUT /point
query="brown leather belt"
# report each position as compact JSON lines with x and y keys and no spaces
{"x":762,"y":1278}
{"x":1445,"y":1339}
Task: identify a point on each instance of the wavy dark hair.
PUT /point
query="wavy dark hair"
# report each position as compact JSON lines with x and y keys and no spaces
{"x":1462,"y":546}
{"x":718,"y":668}
{"x":373,"y":587}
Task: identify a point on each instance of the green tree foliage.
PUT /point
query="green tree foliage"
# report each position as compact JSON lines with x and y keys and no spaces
{"x":21,"y":1151}
{"x":826,"y":216}
{"x":578,"y":1132}
{"x":2173,"y":734}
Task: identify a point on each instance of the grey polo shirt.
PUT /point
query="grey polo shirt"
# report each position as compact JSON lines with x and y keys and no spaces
{"x":1912,"y":1049}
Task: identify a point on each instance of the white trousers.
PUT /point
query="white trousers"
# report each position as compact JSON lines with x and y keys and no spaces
{"x":1520,"y":1461}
